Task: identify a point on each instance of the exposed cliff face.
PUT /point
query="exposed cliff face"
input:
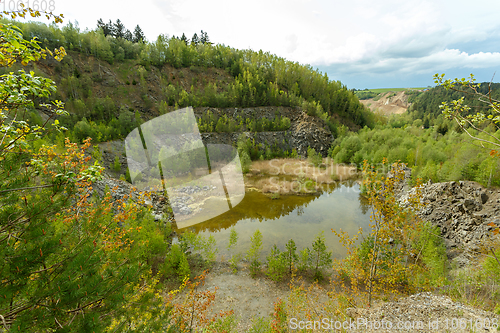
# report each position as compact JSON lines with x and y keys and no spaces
{"x":389,"y":103}
{"x":305,"y":131}
{"x":464,"y":211}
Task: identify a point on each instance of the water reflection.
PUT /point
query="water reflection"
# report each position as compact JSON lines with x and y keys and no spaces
{"x":300,"y":217}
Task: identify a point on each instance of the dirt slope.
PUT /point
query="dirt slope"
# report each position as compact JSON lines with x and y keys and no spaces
{"x":389,"y":103}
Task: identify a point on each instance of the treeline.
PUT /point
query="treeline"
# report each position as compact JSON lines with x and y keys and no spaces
{"x":425,"y":105}
{"x":209,"y":122}
{"x":260,"y":78}
{"x":439,"y":153}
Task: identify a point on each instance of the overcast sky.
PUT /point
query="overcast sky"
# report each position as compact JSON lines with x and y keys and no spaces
{"x":362,"y":43}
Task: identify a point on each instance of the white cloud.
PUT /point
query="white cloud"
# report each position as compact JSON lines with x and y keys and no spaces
{"x":359,"y":36}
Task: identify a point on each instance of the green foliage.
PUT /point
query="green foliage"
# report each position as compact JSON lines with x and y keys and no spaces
{"x":432,"y":251}
{"x":314,"y":158}
{"x":208,"y":122}
{"x":260,"y":325}
{"x":448,"y":157}
{"x":117,"y":166}
{"x":320,"y":257}
{"x":222,"y":325}
{"x":365,"y":94}
{"x":96,"y":154}
{"x":235,"y":258}
{"x":253,"y":254}
{"x":290,"y":254}
{"x":259,"y":78}
{"x":276,"y":264}
{"x":176,"y":264}
{"x":198,"y":243}
{"x":304,"y":259}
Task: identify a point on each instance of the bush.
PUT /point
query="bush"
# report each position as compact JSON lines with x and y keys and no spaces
{"x":313,"y":157}
{"x":430,"y":248}
{"x":253,"y":254}
{"x":276,"y":264}
{"x":117,"y":166}
{"x":320,"y":256}
{"x":176,"y":264}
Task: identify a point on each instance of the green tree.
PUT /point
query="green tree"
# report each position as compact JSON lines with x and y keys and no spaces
{"x":68,"y":262}
{"x":253,"y":254}
{"x":459,"y":111}
{"x":195,"y":39}
{"x":320,"y":256}
{"x":291,"y":254}
{"x":138,"y":35}
{"x":119,"y":29}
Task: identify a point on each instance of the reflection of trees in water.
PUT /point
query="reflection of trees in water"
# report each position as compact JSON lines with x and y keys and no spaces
{"x":257,"y":206}
{"x":364,"y":203}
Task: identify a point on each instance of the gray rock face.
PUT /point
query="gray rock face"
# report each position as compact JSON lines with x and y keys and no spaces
{"x":305,"y":131}
{"x":463,"y":210}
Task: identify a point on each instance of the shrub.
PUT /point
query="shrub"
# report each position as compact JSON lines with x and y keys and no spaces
{"x":235,"y":258}
{"x":253,"y":254}
{"x":117,"y":166}
{"x":176,"y":264}
{"x":313,"y":157}
{"x":276,"y":264}
{"x":320,"y":256}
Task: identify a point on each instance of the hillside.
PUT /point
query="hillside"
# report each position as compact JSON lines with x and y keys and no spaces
{"x":110,"y":85}
{"x":388,"y":103}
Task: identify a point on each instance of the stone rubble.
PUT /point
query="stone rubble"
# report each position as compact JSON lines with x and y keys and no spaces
{"x":464,"y":211}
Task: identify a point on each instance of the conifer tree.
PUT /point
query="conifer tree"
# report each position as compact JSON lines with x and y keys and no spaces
{"x":119,"y":31}
{"x":204,"y":38}
{"x":138,"y":35}
{"x":184,"y":39}
{"x":110,"y":29}
{"x":128,"y":36}
{"x":68,"y":260}
{"x":195,"y":39}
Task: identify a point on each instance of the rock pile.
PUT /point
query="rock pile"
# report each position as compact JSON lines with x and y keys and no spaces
{"x":423,"y":312}
{"x":158,"y":203}
{"x":464,"y":212}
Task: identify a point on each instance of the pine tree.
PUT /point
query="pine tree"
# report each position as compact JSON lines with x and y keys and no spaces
{"x":204,"y":38}
{"x":119,"y":29}
{"x":109,"y":29}
{"x":101,"y":24}
{"x":138,"y":35}
{"x":184,"y":39}
{"x":195,"y":40}
{"x":128,"y":36}
{"x":67,"y":264}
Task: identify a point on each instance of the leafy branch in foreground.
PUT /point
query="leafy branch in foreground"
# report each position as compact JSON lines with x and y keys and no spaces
{"x":459,"y":111}
{"x":70,"y":261}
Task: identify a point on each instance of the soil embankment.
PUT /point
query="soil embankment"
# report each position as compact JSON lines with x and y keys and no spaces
{"x":389,"y":103}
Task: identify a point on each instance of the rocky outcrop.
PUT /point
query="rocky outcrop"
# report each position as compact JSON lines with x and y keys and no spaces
{"x":465,"y":212}
{"x":305,"y":131}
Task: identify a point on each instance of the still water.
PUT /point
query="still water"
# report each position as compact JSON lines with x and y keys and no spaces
{"x":297,"y":217}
